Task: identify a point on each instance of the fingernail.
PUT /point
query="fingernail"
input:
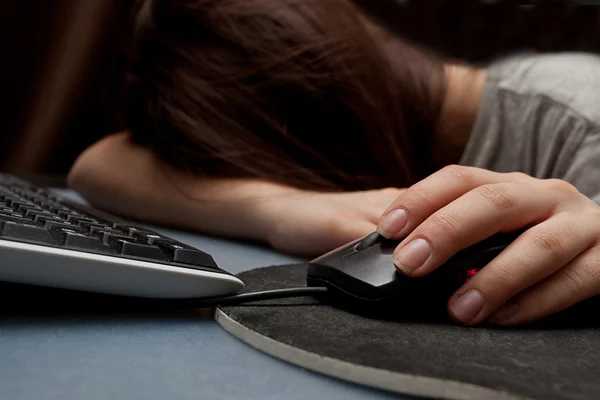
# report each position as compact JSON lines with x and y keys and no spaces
{"x":412,"y":256}
{"x":505,"y":313}
{"x":467,"y":306}
{"x":392,"y":223}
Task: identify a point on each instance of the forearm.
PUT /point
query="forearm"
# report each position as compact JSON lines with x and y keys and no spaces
{"x":128,"y":180}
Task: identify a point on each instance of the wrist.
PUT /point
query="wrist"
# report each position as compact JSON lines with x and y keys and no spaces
{"x":241,"y":208}
{"x":264,"y":207}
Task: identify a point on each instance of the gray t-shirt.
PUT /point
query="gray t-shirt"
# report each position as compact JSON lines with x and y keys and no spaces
{"x":540,"y":114}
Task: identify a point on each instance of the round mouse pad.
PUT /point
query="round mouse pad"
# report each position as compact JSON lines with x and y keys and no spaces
{"x":556,"y":359}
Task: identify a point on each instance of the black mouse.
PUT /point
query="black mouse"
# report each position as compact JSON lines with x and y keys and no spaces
{"x":361,"y":276}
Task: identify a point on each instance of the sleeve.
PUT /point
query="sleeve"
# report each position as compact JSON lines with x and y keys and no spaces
{"x":524,"y":133}
{"x":538,"y":119}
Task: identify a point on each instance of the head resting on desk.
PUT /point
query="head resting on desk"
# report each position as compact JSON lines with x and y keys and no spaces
{"x":313,"y":93}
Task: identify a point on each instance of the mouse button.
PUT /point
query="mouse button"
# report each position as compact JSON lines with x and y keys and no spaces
{"x":387,"y":246}
{"x":369,"y":241}
{"x":370,"y":266}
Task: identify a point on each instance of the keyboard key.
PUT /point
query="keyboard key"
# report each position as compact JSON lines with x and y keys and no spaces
{"x":128,"y":247}
{"x":79,"y":241}
{"x":54,"y":208}
{"x":112,"y":237}
{"x":65,"y":214}
{"x":137,"y":232}
{"x":148,"y":237}
{"x":102,"y":230}
{"x":17,"y":204}
{"x":11,"y":212}
{"x":126,"y":226}
{"x":77,"y":219}
{"x":18,"y":218}
{"x":108,"y":237}
{"x":180,"y":253}
{"x":33,"y":214}
{"x":8,"y":200}
{"x":22,"y":208}
{"x":61,"y":232}
{"x":40,"y":218}
{"x":134,"y":230}
{"x":88,"y":226}
{"x":49,"y":224}
{"x":27,"y":232}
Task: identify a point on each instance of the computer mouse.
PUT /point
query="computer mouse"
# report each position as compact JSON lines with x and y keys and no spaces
{"x":361,"y":277}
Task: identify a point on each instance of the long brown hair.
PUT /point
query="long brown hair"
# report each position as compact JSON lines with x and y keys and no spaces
{"x":311,"y":93}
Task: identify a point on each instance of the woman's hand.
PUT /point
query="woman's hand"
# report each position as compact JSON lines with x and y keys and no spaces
{"x":313,"y":223}
{"x":553,"y":265}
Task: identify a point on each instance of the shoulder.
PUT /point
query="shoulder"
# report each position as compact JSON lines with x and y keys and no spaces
{"x":571,"y":80}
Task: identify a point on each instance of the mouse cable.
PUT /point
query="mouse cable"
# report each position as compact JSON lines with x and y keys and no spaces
{"x":247,"y":297}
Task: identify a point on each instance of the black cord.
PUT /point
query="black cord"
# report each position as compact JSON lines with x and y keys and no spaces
{"x":249,"y":297}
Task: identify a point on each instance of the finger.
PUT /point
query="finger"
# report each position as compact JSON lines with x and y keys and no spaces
{"x":532,"y":257}
{"x":421,"y":200}
{"x":576,"y":282}
{"x":475,"y":216}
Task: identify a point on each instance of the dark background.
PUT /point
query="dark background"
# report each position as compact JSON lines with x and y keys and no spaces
{"x":61,"y":70}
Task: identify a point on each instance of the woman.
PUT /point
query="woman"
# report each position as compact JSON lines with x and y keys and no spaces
{"x":304,"y":124}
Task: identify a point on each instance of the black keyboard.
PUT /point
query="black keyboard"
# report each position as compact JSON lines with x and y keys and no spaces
{"x":43,"y":229}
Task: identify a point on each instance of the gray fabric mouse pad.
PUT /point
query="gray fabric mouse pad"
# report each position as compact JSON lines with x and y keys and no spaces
{"x":558,"y":358}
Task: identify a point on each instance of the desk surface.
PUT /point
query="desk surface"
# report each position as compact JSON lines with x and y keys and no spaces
{"x":155,"y":357}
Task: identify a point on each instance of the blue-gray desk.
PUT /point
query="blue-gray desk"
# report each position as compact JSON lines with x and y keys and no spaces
{"x":154,"y":357}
